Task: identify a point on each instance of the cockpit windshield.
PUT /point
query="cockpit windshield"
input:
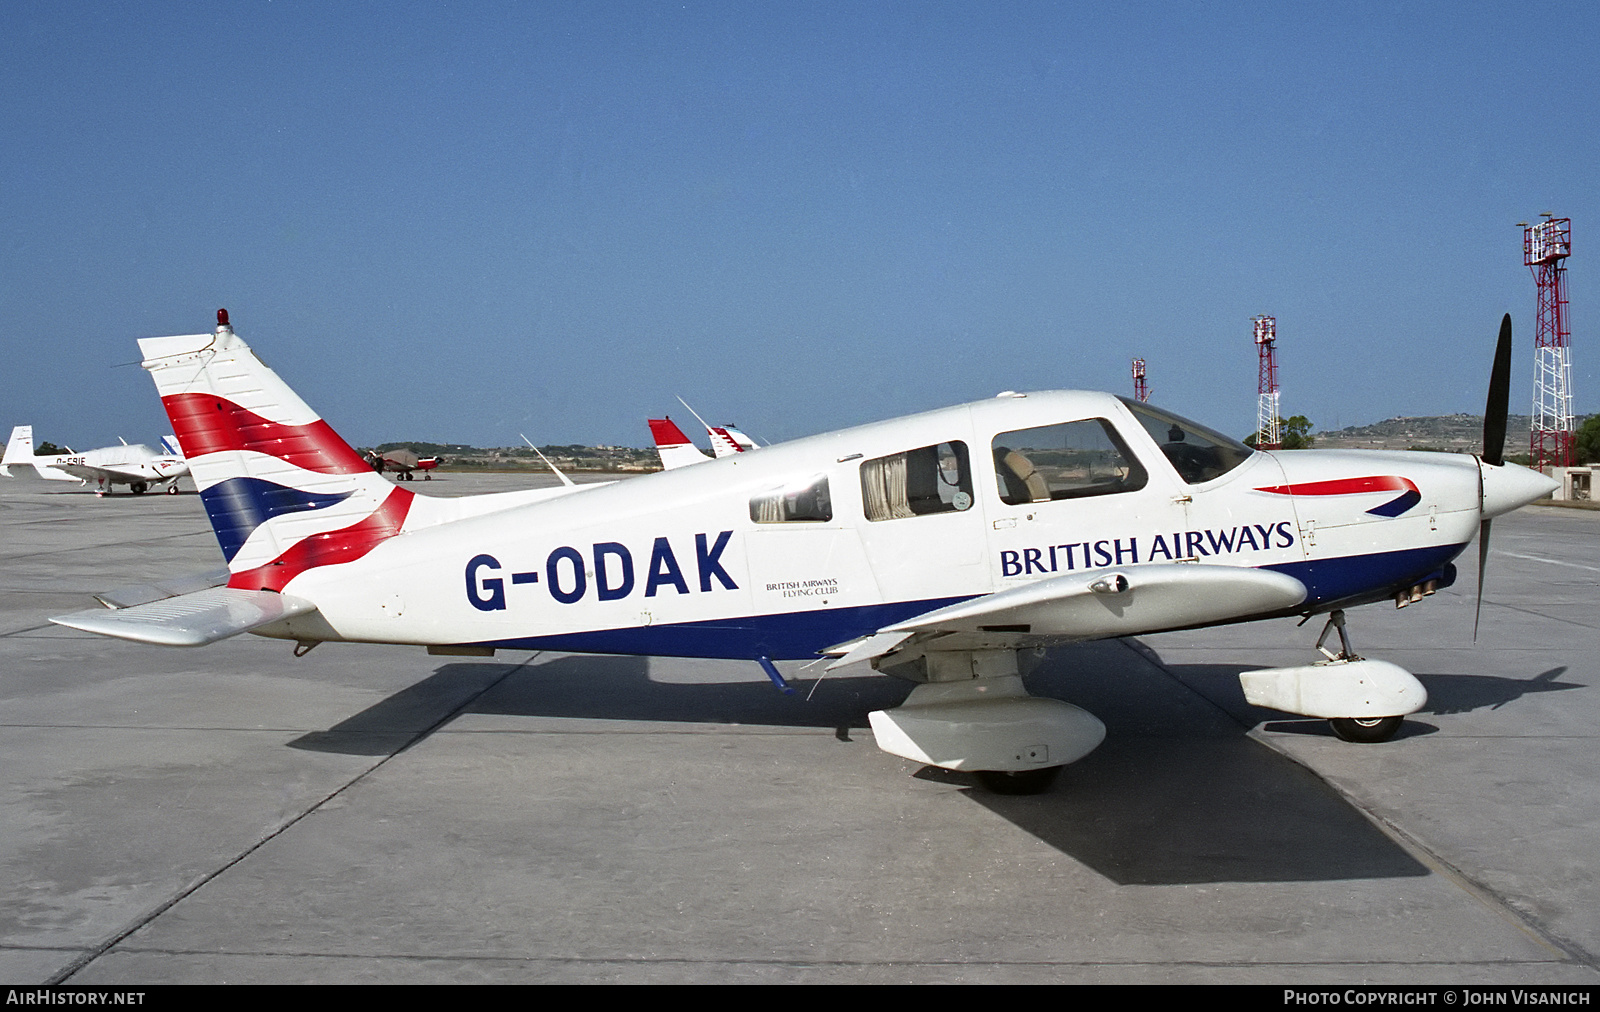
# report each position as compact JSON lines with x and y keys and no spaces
{"x":1197,"y":453}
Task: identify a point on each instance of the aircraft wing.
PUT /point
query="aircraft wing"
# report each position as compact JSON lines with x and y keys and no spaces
{"x":190,"y":620}
{"x":90,"y":472}
{"x":49,"y":473}
{"x":1088,"y":605}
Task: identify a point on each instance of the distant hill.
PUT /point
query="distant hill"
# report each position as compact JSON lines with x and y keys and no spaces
{"x":460,"y":456}
{"x":1457,"y":433}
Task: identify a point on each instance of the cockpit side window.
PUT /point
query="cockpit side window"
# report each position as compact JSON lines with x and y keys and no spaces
{"x":929,"y":479}
{"x":1197,"y":453}
{"x":803,"y":500}
{"x":1070,"y":460}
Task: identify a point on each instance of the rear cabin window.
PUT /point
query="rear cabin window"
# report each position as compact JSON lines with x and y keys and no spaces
{"x":1070,"y":460}
{"x":920,"y":482}
{"x":805,"y":500}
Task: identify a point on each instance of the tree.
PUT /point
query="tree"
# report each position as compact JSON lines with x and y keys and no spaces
{"x":1586,"y":441}
{"x":1294,"y":433}
{"x":49,"y":449}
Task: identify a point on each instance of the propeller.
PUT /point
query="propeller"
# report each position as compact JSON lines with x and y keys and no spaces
{"x":1494,"y":442}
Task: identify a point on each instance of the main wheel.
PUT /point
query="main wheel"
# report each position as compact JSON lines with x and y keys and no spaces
{"x":1019,"y":781}
{"x":1365,"y":729}
{"x":137,"y":488}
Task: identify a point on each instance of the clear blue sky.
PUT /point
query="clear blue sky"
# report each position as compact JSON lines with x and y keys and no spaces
{"x":458,"y":222}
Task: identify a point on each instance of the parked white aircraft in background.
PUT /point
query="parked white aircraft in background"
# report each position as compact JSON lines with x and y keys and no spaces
{"x":136,"y":465}
{"x":947,"y":548}
{"x":676,"y":450}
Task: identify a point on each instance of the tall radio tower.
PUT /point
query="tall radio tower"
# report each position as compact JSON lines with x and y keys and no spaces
{"x":1268,"y":436}
{"x":1545,"y":247}
{"x":1141,"y":390}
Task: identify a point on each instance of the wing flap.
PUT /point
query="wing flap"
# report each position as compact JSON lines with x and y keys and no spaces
{"x":866,"y":647}
{"x":190,"y":620}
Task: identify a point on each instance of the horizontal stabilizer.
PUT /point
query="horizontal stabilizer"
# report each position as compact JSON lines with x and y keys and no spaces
{"x":190,"y":620}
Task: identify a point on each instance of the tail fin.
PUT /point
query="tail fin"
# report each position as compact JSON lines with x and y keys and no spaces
{"x":19,"y":449}
{"x":673,"y":446}
{"x":726,"y":440}
{"x":170,"y":444}
{"x":285,"y":494}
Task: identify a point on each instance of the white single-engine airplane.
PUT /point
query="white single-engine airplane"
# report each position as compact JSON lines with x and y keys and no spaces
{"x":943,"y":547}
{"x":136,"y":465}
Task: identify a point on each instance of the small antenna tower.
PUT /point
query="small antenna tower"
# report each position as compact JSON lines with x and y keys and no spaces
{"x":1141,"y":390}
{"x":1545,"y":248}
{"x":1268,"y":435}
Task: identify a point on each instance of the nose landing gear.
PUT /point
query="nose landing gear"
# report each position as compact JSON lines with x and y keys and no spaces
{"x":1363,"y":700}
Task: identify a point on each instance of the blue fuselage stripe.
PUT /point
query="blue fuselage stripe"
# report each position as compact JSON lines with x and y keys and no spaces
{"x":800,"y":635}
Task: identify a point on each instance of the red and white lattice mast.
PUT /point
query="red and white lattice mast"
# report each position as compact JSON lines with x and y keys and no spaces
{"x":1268,"y":436}
{"x":1141,"y":390}
{"x":1545,"y":247}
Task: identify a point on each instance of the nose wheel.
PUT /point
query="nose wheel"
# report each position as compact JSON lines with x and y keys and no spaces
{"x":1356,"y":729}
{"x":1365,"y":729}
{"x":1362,"y":700}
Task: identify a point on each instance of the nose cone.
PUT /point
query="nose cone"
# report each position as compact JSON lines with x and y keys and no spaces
{"x":1507,"y":486}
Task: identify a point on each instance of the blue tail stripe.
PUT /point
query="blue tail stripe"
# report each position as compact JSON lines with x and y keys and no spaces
{"x":238,"y":506}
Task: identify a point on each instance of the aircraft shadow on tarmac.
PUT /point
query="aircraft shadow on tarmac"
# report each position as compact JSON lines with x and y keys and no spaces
{"x":1178,"y":793}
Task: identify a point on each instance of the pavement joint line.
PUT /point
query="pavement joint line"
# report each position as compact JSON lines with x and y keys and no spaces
{"x":1565,"y":951}
{"x":1540,"y":558}
{"x":196,"y":727}
{"x":31,"y":628}
{"x":71,"y":969}
{"x":1568,"y":951}
{"x":799,"y":962}
{"x":1540,"y":614}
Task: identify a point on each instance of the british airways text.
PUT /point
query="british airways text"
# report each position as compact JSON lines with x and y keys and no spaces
{"x":1178,"y":546}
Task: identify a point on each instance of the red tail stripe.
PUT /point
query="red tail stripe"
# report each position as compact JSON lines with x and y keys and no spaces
{"x":332,"y":548}
{"x":1344,"y":486}
{"x":206,"y":423}
{"x":665,"y":432}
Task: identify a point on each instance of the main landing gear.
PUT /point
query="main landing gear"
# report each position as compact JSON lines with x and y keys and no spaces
{"x":1363,"y":700}
{"x":973,"y":714}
